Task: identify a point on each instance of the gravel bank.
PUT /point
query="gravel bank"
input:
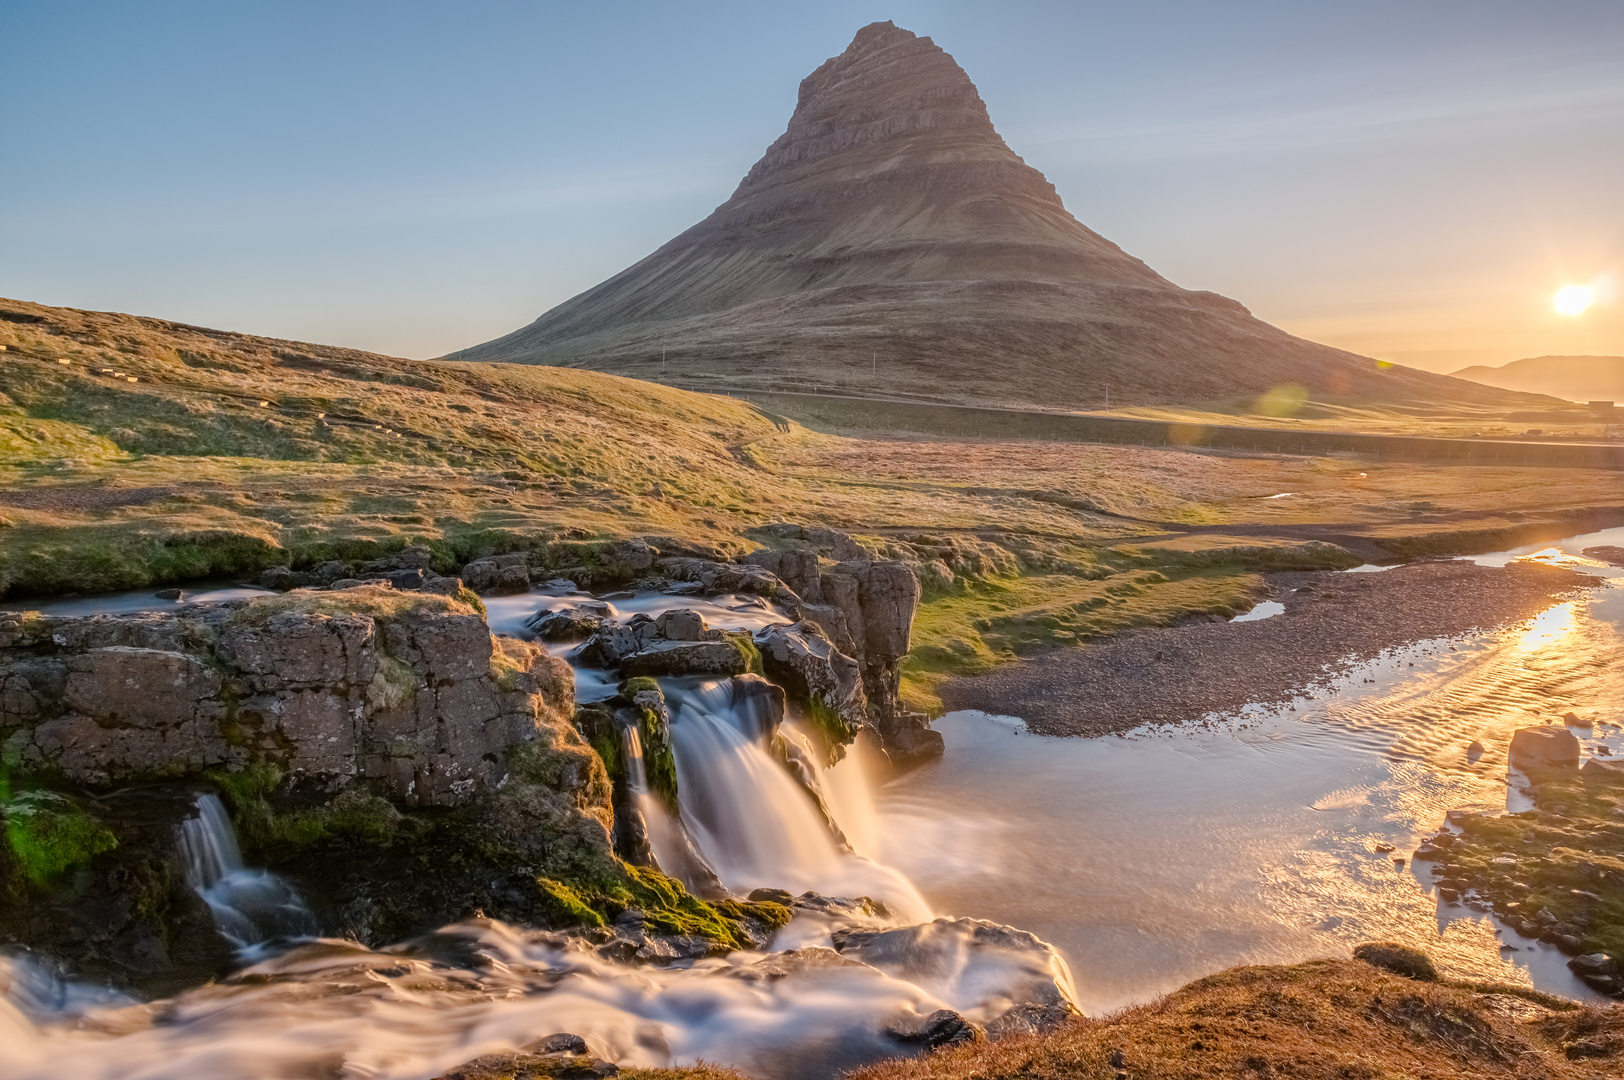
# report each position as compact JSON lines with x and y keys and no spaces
{"x":1331,"y":621}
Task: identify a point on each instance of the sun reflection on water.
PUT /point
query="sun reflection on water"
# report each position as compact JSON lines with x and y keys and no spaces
{"x":1556,"y":625}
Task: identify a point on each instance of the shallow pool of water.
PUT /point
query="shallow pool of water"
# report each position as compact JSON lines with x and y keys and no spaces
{"x":135,"y":601}
{"x":1158,"y":857}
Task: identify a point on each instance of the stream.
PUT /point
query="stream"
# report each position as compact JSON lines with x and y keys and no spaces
{"x":1147,"y":860}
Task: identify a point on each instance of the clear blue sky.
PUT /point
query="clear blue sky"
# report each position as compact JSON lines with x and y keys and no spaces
{"x":1410,"y":179}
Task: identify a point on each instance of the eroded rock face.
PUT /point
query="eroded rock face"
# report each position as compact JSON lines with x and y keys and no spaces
{"x":420,"y":702}
{"x":811,"y":668}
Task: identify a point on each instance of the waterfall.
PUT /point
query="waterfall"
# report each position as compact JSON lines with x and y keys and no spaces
{"x":674,"y":852}
{"x":749,"y":818}
{"x":253,"y":909}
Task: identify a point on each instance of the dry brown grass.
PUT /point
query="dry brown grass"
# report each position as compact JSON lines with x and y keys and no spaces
{"x":230,"y":452}
{"x":1324,"y":1020}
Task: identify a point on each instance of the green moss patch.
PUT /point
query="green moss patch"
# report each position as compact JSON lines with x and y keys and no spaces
{"x":1558,"y":866}
{"x":48,"y":834}
{"x":666,"y":906}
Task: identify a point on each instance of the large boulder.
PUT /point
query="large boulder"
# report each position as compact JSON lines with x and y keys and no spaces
{"x":1544,"y":745}
{"x":809,"y":666}
{"x":662,"y":658}
{"x":497,"y":575}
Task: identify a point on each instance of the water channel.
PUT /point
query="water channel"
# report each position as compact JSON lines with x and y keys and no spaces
{"x":1148,"y":859}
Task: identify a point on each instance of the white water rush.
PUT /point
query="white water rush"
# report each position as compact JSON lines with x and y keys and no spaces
{"x":253,"y":909}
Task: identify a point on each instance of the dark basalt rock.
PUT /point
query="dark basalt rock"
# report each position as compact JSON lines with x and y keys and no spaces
{"x":941,"y":1029}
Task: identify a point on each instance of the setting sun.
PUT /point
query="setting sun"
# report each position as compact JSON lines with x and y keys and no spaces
{"x":1573,"y":299}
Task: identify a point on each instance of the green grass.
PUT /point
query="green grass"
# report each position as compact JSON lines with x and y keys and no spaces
{"x":1568,"y":855}
{"x":232,"y":453}
{"x":979,"y":622}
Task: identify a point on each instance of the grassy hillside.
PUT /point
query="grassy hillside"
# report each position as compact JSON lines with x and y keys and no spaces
{"x":1325,"y":1020}
{"x":135,"y":451}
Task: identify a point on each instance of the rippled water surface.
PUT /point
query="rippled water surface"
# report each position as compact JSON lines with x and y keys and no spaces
{"x":1159,"y":857}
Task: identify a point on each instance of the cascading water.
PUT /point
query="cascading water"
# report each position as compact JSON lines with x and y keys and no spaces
{"x":421,"y":1008}
{"x":672,"y":848}
{"x":750,"y":820}
{"x":253,"y":909}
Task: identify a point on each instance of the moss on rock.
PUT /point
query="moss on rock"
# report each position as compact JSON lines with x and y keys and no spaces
{"x":666,"y":906}
{"x":49,"y":833}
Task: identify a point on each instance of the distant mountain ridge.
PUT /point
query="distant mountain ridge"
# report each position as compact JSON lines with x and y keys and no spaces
{"x":1576,"y":378}
{"x":890,"y":242}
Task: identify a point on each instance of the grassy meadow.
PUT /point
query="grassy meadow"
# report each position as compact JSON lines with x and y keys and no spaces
{"x":136,"y":452}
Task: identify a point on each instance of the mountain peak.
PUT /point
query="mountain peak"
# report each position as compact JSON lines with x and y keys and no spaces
{"x":890,"y":87}
{"x":890,"y":242}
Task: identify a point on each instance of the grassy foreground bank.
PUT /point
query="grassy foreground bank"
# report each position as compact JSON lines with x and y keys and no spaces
{"x":1323,"y":1020}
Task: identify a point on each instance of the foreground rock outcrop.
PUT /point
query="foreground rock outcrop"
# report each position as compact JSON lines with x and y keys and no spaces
{"x":410,"y":694}
{"x":889,"y":242}
{"x":387,"y":755}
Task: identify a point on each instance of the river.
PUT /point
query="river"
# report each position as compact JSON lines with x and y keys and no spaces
{"x":1147,"y":859}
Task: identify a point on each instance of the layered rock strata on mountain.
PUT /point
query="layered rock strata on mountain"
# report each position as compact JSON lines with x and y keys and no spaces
{"x":890,"y":242}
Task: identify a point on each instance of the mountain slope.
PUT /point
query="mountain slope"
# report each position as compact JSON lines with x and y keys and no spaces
{"x":1576,"y":378}
{"x":891,"y":242}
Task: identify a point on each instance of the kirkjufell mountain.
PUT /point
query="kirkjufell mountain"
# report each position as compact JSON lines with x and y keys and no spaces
{"x":890,"y":243}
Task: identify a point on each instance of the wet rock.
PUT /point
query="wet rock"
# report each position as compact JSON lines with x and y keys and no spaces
{"x":908,"y":738}
{"x":1029,"y":1020}
{"x":812,"y":669}
{"x":850,"y":910}
{"x":759,"y":703}
{"x":665,"y":658}
{"x":1399,"y":959}
{"x":772,"y":896}
{"x":170,"y":594}
{"x":552,"y":1066}
{"x":614,"y":641}
{"x":1544,"y":745}
{"x":571,"y":624}
{"x":713,"y":577}
{"x":949,"y":949}
{"x":630,"y":942}
{"x":685,"y":624}
{"x":1593,"y":964}
{"x":942,"y":1028}
{"x":503,"y":575}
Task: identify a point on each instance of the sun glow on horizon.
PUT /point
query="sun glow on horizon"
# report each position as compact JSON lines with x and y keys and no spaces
{"x":1573,"y":299}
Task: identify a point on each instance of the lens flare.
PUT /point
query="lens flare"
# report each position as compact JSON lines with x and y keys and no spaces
{"x":1573,"y":299}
